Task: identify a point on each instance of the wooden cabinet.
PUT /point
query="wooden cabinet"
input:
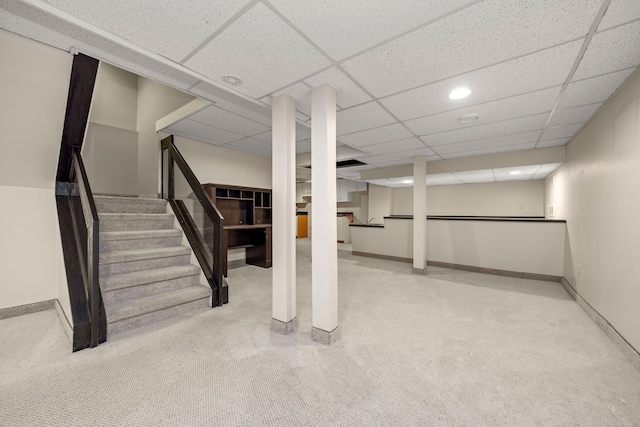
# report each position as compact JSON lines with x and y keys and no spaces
{"x":247,"y":221}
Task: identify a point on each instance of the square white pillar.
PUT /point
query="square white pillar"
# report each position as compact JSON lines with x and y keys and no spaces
{"x":324,"y":242}
{"x":420,"y":214}
{"x":283,"y":166}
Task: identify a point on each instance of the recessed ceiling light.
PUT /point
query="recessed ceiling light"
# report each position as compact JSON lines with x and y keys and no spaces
{"x":459,"y":93}
{"x":407,"y":181}
{"x":515,"y":172}
{"x":468,"y":118}
{"x":231,"y":80}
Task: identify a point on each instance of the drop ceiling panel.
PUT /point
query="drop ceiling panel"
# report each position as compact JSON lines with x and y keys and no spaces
{"x":392,"y":132}
{"x":344,"y":28}
{"x":552,"y":142}
{"x":524,"y":171}
{"x":203,"y":132}
{"x":251,"y":146}
{"x":518,"y":147}
{"x":488,"y":84}
{"x":560,"y":132}
{"x":499,"y":141}
{"x":619,"y":12}
{"x":442,"y":179}
{"x":570,"y":116}
{"x":595,"y":89}
{"x":300,"y":92}
{"x":396,"y":156}
{"x":490,"y":130}
{"x":348,"y":93}
{"x":303,"y":146}
{"x":481,"y":35}
{"x":395,"y":146}
{"x":362,"y":117}
{"x":503,"y":109}
{"x":149,"y":24}
{"x":611,"y":50}
{"x":253,"y":48}
{"x":214,"y":116}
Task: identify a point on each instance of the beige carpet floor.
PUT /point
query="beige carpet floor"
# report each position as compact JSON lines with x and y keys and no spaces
{"x":452,"y":348}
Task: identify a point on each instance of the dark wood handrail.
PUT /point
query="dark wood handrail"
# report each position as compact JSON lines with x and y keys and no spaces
{"x":213,"y":270}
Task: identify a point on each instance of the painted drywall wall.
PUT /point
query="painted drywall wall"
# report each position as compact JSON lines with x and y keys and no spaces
{"x":34,"y":82}
{"x":219,"y":165}
{"x":513,"y":198}
{"x":380,"y":203}
{"x":154,"y":102}
{"x":596,"y":191}
{"x":529,"y":247}
{"x":115,"y":98}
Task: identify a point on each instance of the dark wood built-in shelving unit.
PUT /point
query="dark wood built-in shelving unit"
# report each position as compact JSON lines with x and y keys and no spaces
{"x":247,"y":221}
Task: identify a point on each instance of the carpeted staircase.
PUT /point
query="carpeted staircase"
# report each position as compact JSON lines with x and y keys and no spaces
{"x":146,"y":273}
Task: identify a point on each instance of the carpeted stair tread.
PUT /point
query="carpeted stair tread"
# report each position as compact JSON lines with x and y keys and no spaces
{"x":139,"y":234}
{"x":111,"y":216}
{"x":150,"y":304}
{"x":127,"y":280}
{"x":106,"y":204}
{"x":142,"y":254}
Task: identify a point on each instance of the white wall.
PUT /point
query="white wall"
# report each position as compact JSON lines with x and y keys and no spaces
{"x":598,"y":194}
{"x":513,"y":198}
{"x":34,"y":82}
{"x":380,"y":203}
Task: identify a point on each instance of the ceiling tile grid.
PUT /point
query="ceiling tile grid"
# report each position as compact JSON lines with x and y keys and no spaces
{"x":222,"y":119}
{"x":378,"y":135}
{"x":619,"y":12}
{"x":496,"y":141}
{"x":365,"y":116}
{"x":592,"y":90}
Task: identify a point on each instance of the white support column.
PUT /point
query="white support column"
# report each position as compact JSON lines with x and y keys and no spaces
{"x":420,"y":214}
{"x":283,"y":165}
{"x":324,"y":242}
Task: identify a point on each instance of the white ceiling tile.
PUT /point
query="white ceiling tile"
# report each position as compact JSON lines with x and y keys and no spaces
{"x":404,"y":156}
{"x":403,"y":162}
{"x":148,"y":23}
{"x":265,"y":137}
{"x":395,"y":146}
{"x":302,"y":132}
{"x":484,"y":34}
{"x":490,"y":130}
{"x":611,"y":50}
{"x":348,"y":93}
{"x":214,"y":116}
{"x":549,"y":167}
{"x":250,"y":145}
{"x":378,"y":135}
{"x":619,"y":12}
{"x":553,"y":142}
{"x":302,"y":117}
{"x":524,"y":171}
{"x":518,"y":76}
{"x":442,"y":179}
{"x":300,"y":92}
{"x":518,"y":147}
{"x":229,"y":101}
{"x":498,"y":141}
{"x":204,"y":132}
{"x":471,"y":176}
{"x":570,"y":116}
{"x":593,"y":90}
{"x":344,"y":28}
{"x":362,"y":117}
{"x":560,"y":131}
{"x":253,"y":49}
{"x":303,"y":146}
{"x":503,"y":109}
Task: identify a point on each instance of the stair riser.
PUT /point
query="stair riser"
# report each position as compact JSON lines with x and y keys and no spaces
{"x":125,"y":245}
{"x":133,"y":225}
{"x":188,"y":308}
{"x":133,"y":206}
{"x":147,"y":289}
{"x":146,"y":264}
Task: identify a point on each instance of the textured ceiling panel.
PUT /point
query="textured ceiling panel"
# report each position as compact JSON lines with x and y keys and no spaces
{"x":253,"y":48}
{"x":495,"y":82}
{"x":203,"y":132}
{"x":503,"y":109}
{"x":517,"y":147}
{"x":395,"y":146}
{"x":552,"y":142}
{"x":570,"y":116}
{"x":362,"y":117}
{"x":619,"y":12}
{"x":391,"y":157}
{"x":560,"y":132}
{"x":481,"y":35}
{"x":303,"y":146}
{"x":611,"y":50}
{"x":499,"y":141}
{"x":300,"y":92}
{"x":378,"y":135}
{"x":593,"y":90}
{"x":214,"y":116}
{"x":251,"y":146}
{"x":343,"y":28}
{"x":152,"y":24}
{"x":490,"y":130}
{"x":348,"y":93}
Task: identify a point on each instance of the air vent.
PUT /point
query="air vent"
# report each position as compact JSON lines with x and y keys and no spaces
{"x":349,"y":163}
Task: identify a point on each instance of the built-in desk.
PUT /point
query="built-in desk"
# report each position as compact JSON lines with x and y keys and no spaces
{"x":255,"y":238}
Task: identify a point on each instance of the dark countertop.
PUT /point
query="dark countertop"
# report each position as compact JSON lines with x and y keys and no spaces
{"x":482,"y":218}
{"x":367,"y":225}
{"x":246,"y":226}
